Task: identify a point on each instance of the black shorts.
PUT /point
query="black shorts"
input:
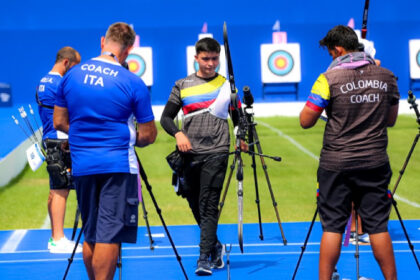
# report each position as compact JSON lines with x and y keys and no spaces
{"x":368,"y":189}
{"x":108,"y":205}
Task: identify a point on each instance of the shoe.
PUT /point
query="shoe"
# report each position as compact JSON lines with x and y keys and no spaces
{"x":363,"y":238}
{"x":203,"y":266}
{"x":63,"y":246}
{"x":217,"y":256}
{"x":352,"y":236}
{"x":49,"y":243}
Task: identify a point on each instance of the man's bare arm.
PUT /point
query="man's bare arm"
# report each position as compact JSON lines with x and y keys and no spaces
{"x":146,"y":133}
{"x":61,"y":119}
{"x":393,"y":114}
{"x":308,"y":117}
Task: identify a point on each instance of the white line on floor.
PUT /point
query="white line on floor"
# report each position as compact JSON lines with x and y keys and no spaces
{"x":14,"y":240}
{"x":196,"y":255}
{"x":233,"y":245}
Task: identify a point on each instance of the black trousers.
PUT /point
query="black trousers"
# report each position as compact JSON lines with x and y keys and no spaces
{"x":204,"y":176}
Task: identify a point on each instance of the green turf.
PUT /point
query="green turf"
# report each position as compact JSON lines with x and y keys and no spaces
{"x":23,"y":202}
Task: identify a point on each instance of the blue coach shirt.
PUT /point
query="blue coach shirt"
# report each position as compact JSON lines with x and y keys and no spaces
{"x":47,"y":89}
{"x":102,"y":97}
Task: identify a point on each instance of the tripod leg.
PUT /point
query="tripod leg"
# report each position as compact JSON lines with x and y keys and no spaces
{"x":356,"y":254}
{"x":254,"y":168}
{"x":228,"y":260}
{"x":269,"y":185}
{"x":240,"y":177}
{"x":406,"y":162}
{"x":74,"y":251}
{"x":76,"y":223}
{"x":159,"y":211}
{"x":119,"y":263}
{"x":410,"y":245}
{"x":149,"y":233}
{"x":305,"y":243}
{"x":222,"y":202}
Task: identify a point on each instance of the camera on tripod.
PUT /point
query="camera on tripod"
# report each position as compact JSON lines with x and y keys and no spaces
{"x":245,"y":115}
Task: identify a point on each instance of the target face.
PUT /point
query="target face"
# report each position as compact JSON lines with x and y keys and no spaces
{"x":418,"y":58}
{"x":196,"y":67}
{"x":136,"y":64}
{"x":280,"y":63}
{"x":414,"y":50}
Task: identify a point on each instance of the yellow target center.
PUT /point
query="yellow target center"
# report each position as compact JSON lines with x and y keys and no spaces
{"x":133,"y":66}
{"x":281,"y":62}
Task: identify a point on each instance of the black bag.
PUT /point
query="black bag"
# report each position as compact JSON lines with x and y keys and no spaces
{"x":58,"y":163}
{"x":176,"y":163}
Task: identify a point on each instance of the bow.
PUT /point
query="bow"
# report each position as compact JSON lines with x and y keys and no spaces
{"x":240,"y":132}
{"x":365,"y":18}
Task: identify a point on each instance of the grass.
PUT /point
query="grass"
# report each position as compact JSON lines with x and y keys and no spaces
{"x":23,"y":202}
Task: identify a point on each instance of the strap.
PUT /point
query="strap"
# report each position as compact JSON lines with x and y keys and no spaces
{"x":196,"y":113}
{"x":40,"y":103}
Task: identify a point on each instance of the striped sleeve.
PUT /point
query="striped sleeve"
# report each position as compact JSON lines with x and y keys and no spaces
{"x":320,"y":94}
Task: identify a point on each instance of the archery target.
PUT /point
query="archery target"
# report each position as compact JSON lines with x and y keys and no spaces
{"x":136,"y":64}
{"x":139,"y":62}
{"x":192,"y":65}
{"x":280,"y":63}
{"x":414,"y":49}
{"x":418,"y":58}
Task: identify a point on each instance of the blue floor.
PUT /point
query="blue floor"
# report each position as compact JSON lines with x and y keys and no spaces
{"x":267,"y":259}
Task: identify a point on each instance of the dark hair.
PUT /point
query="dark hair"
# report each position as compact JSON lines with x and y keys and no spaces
{"x":341,"y":36}
{"x":121,"y":33}
{"x":207,"y":45}
{"x":67,"y":52}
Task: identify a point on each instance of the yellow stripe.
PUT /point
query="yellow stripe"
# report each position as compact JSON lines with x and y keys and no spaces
{"x":321,"y":87}
{"x":204,"y":88}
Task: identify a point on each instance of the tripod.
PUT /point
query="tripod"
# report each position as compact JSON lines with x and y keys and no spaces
{"x":159,"y":211}
{"x":252,"y":140}
{"x":412,"y":100}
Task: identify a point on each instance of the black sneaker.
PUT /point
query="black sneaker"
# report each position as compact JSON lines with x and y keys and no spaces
{"x":217,"y":256}
{"x":203,"y":266}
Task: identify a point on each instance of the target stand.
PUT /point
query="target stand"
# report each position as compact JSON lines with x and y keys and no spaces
{"x":280,"y":69}
{"x":414,"y":48}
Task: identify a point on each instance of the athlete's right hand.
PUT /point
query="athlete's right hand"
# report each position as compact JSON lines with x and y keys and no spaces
{"x":182,"y":142}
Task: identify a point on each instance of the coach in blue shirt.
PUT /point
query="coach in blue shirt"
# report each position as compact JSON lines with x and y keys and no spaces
{"x":96,"y":104}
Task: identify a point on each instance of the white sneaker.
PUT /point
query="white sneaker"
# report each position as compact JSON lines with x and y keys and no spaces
{"x":49,"y":243}
{"x":63,"y":246}
{"x":363,"y":239}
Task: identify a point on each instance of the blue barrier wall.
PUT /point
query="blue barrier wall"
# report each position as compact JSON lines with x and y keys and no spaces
{"x":31,"y":32}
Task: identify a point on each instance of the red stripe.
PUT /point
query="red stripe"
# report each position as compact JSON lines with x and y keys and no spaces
{"x":197,"y":106}
{"x":239,"y":106}
{"x":314,"y":107}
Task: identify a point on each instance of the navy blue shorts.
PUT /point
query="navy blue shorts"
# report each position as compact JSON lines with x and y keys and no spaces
{"x":108,"y":205}
{"x":367,"y":188}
